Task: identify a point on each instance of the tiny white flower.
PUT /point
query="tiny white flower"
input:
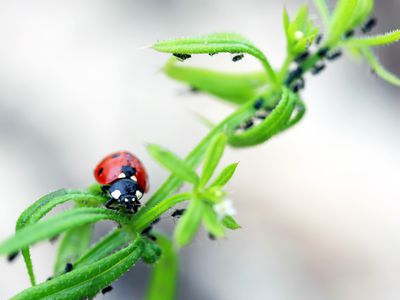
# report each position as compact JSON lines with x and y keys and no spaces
{"x":298,"y":35}
{"x":225,"y":208}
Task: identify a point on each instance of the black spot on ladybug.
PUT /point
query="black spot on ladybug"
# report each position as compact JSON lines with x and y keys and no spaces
{"x":12,"y":256}
{"x":68,"y":267}
{"x":107,"y":289}
{"x":116,"y":155}
{"x":100,"y":171}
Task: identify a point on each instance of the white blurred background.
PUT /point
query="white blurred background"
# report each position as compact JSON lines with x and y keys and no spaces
{"x":319,"y":205}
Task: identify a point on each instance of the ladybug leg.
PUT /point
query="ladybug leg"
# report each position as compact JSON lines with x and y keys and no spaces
{"x":109,"y":203}
{"x":105,"y":189}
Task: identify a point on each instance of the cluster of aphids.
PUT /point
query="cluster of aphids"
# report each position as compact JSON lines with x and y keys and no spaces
{"x":260,"y":114}
{"x":295,"y":80}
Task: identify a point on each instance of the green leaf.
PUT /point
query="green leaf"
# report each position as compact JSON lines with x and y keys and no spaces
{"x":173,"y":163}
{"x":230,"y":223}
{"x":225,"y":175}
{"x":41,"y":207}
{"x":323,"y":9}
{"x":107,"y":245}
{"x":88,"y":280}
{"x":164,"y":276}
{"x":57,"y":224}
{"x":211,"y":222}
{"x":193,"y":159}
{"x":216,"y":43}
{"x":340,"y":21}
{"x":297,"y":115}
{"x":378,"y":68}
{"x":274,"y":123}
{"x":378,"y":40}
{"x":212,"y":158}
{"x":144,"y":220}
{"x":361,"y":12}
{"x":188,"y":224}
{"x":73,"y":244}
{"x":234,"y":88}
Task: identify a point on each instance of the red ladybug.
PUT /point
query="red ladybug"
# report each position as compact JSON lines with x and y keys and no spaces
{"x":124,"y":178}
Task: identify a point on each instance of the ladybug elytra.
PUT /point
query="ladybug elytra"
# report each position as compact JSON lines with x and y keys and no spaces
{"x":124,"y":178}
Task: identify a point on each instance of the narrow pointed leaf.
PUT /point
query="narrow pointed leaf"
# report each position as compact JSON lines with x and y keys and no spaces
{"x":188,"y":224}
{"x":230,"y":223}
{"x":225,"y":175}
{"x":215,"y":43}
{"x":73,"y":244}
{"x":163,"y":282}
{"x":173,"y":163}
{"x":212,"y":223}
{"x":378,"y":40}
{"x":323,"y":9}
{"x":339,"y":23}
{"x":234,"y":88}
{"x":41,"y":207}
{"x":88,"y":280}
{"x":56,"y":225}
{"x":106,"y":246}
{"x":212,"y":158}
{"x":274,"y":123}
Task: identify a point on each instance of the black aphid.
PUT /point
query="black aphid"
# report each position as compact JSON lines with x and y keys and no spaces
{"x":68,"y":267}
{"x":318,"y":68}
{"x":12,"y":256}
{"x":258,"y":104}
{"x":293,"y":75}
{"x":302,"y":57}
{"x":178,"y":213}
{"x":107,"y":289}
{"x":334,"y":55}
{"x":369,"y":25}
{"x":323,"y":52}
{"x":319,"y":38}
{"x":237,"y":57}
{"x":181,"y":56}
{"x":349,"y":34}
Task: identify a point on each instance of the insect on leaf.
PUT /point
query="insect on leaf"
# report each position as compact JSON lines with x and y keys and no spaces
{"x":216,"y":43}
{"x":88,"y":280}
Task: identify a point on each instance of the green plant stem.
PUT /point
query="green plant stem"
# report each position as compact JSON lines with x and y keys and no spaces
{"x":285,"y":67}
{"x":193,"y":160}
{"x":157,"y":210}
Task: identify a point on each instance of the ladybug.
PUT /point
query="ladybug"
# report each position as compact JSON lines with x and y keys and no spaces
{"x":124,"y":178}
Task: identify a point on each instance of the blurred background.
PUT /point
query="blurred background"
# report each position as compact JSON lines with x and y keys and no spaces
{"x":319,"y":205}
